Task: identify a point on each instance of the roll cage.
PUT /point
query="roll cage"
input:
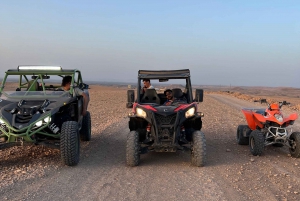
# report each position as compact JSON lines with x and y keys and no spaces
{"x":25,"y":82}
{"x":163,"y":76}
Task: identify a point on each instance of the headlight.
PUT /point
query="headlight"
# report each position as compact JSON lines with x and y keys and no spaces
{"x":279,"y":117}
{"x":141,"y":113}
{"x":190,"y":112}
{"x":1,"y":121}
{"x":39,"y":123}
{"x":47,"y":119}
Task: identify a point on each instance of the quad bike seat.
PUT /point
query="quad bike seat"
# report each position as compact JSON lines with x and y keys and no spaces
{"x":261,"y":111}
{"x":150,"y":96}
{"x":178,"y":94}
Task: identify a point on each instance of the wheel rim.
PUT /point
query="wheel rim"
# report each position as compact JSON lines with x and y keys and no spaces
{"x":252,"y":142}
{"x":238,"y":135}
{"x":244,"y":132}
{"x":293,"y":145}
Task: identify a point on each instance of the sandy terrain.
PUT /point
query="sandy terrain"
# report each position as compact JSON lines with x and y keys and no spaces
{"x":231,"y":172}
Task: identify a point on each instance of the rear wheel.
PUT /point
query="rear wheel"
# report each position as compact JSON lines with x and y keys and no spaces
{"x":133,"y":149}
{"x":241,"y":135}
{"x":198,"y":149}
{"x":256,"y":142}
{"x":85,"y":132}
{"x":70,"y":143}
{"x":295,"y":144}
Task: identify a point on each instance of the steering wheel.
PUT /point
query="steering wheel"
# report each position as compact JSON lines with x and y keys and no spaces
{"x":59,"y":89}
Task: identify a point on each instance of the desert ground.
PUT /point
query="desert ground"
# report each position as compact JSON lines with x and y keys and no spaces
{"x":231,"y":172}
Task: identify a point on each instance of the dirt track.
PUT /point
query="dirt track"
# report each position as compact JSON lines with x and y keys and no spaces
{"x":231,"y":172}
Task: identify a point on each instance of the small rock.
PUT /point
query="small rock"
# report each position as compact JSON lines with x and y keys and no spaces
{"x":228,"y":150}
{"x":252,"y":160}
{"x":295,"y":192}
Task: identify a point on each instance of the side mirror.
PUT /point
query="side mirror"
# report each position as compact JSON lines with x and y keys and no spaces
{"x":286,"y":103}
{"x":129,"y":105}
{"x":130,"y":98}
{"x":83,"y":86}
{"x":44,"y":77}
{"x":199,"y":95}
{"x":263,"y":101}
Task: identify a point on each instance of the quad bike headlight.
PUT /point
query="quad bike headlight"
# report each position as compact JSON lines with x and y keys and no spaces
{"x":47,"y":119}
{"x":39,"y":123}
{"x":1,"y":121}
{"x":141,"y":113}
{"x":279,"y":117}
{"x":190,"y":112}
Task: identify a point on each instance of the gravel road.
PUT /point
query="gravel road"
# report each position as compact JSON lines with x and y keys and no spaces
{"x":231,"y":172}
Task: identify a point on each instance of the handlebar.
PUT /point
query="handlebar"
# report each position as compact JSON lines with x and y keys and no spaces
{"x":281,"y":103}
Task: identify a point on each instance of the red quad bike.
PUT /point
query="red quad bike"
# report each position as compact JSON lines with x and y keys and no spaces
{"x":268,"y":127}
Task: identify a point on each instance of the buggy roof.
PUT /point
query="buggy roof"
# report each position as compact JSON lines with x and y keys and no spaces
{"x":175,"y":74}
{"x":44,"y":72}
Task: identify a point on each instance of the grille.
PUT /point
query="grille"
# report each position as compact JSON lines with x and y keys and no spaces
{"x":23,"y":118}
{"x":160,"y":119}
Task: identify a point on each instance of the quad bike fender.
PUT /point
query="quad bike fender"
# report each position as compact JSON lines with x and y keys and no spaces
{"x":253,"y":119}
{"x":292,"y":117}
{"x":249,"y":118}
{"x":259,"y":120}
{"x":259,"y":117}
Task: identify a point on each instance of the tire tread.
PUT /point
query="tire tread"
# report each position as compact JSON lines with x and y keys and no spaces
{"x":198,"y":149}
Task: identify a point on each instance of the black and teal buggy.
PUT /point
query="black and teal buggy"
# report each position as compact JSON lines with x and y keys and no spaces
{"x":157,"y":127}
{"x":34,"y":109}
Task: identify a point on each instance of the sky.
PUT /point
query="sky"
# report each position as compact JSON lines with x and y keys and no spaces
{"x":224,"y":42}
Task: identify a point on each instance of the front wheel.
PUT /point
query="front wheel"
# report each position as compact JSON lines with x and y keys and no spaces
{"x":133,"y":149}
{"x":198,"y":149}
{"x":85,"y":132}
{"x":256,"y":142}
{"x":70,"y":143}
{"x":295,"y":144}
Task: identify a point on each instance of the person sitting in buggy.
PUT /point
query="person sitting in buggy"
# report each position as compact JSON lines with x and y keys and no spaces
{"x":173,"y":96}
